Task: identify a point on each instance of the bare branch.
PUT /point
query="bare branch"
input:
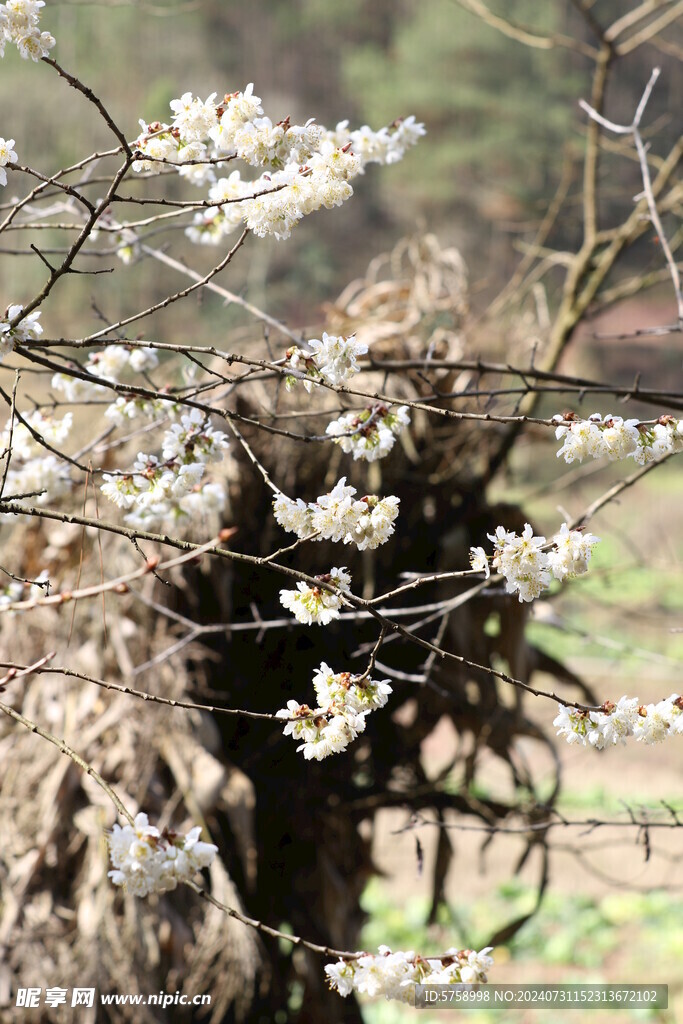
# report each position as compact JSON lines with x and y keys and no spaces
{"x":524,"y":35}
{"x":633,"y":130}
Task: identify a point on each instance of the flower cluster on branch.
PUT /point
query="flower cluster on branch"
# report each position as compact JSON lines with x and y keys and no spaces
{"x":395,"y":975}
{"x":331,"y":359}
{"x":170,"y":489}
{"x":20,"y":24}
{"x":146,"y":860}
{"x":616,"y":723}
{"x":614,"y":438}
{"x":526,"y":566}
{"x":27,"y":329}
{"x":344,"y":702}
{"x":336,"y":516}
{"x":305,"y":167}
{"x":109,"y":364}
{"x":7,"y":156}
{"x":313,"y":604}
{"x":370,"y":434}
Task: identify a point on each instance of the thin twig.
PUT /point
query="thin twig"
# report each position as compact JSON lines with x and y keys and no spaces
{"x":12,"y":413}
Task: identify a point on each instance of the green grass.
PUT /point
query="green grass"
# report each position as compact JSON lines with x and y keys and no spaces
{"x":597,"y":801}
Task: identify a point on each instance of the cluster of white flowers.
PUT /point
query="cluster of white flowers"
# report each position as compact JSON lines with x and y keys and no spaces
{"x":41,"y":480}
{"x":615,"y":438}
{"x":386,"y":146}
{"x":212,"y":224}
{"x":615,"y":723}
{"x":20,"y":24}
{"x":123,"y":410}
{"x":313,"y":604}
{"x":369,"y":434}
{"x":163,"y":492}
{"x":571,"y":552}
{"x":344,"y":702}
{"x":305,"y":167}
{"x":146,"y":860}
{"x":159,"y":144}
{"x":27,"y":329}
{"x":24,"y":444}
{"x":273,"y":203}
{"x":7,"y":156}
{"x":527,"y":568}
{"x":295,"y":191}
{"x":331,"y":359}
{"x":33,"y":471}
{"x":109,"y":363}
{"x":338,"y":517}
{"x":395,"y":975}
{"x":18,"y":590}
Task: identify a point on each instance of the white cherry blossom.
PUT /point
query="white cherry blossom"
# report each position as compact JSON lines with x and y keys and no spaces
{"x":370,"y":434}
{"x":20,"y":24}
{"x":615,"y":438}
{"x":617,"y":723}
{"x":314,"y":604}
{"x":7,"y":156}
{"x":344,"y":702}
{"x":394,"y":975}
{"x":145,"y":860}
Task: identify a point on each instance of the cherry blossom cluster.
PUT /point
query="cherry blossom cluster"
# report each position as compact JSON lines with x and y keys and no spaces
{"x":233,"y":127}
{"x":20,"y":24}
{"x":294,"y":192}
{"x":304,"y":167}
{"x":344,"y":702}
{"x":615,"y":438}
{"x":109,"y":364}
{"x":27,"y":329}
{"x":313,"y":604}
{"x":395,"y":975}
{"x":386,"y":146}
{"x":39,"y":482}
{"x":123,"y":410}
{"x":25,"y":444}
{"x":33,"y":471}
{"x":331,"y":359}
{"x":7,"y":156}
{"x":615,"y":723}
{"x":275,"y":202}
{"x":22,"y":590}
{"x":146,"y":860}
{"x":336,"y":516}
{"x":168,"y":490}
{"x":527,"y":568}
{"x":369,"y":434}
{"x":41,"y":476}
